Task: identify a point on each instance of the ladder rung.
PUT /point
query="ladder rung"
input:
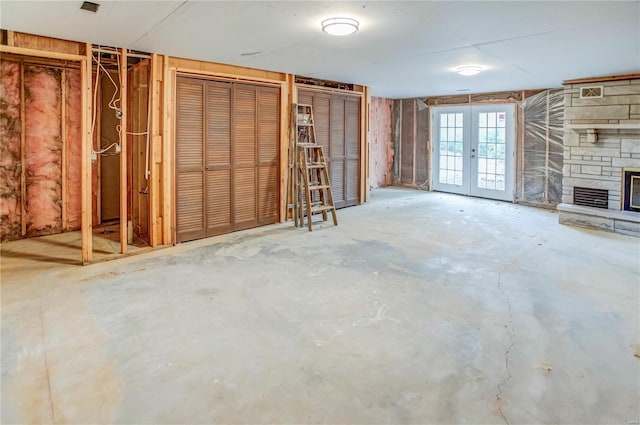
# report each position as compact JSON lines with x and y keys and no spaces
{"x":308,"y":145}
{"x":321,"y":208}
{"x":316,"y":165}
{"x":318,"y":186}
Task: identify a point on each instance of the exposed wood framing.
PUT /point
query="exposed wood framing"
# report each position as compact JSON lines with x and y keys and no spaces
{"x":41,"y":53}
{"x":87,"y":143}
{"x":63,"y":133}
{"x":95,"y":140}
{"x":47,"y":44}
{"x":365,"y":164}
{"x":400,"y":144}
{"x":602,"y":79}
{"x":23,"y":139}
{"x":155,"y":151}
{"x":415,"y":138}
{"x":288,"y":92}
{"x":188,"y":66}
{"x":520,"y":147}
{"x":546,"y":154}
{"x":123,"y":153}
{"x":11,"y":38}
{"x":161,"y":105}
{"x":168,"y":219}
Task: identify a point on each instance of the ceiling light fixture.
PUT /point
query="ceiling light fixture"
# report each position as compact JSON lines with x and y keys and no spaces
{"x":469,"y":69}
{"x":340,"y":26}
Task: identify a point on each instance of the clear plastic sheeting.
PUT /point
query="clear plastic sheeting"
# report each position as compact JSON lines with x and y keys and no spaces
{"x":542,"y":149}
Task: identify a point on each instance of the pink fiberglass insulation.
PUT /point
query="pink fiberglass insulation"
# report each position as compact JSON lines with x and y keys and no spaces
{"x":381,"y":159}
{"x":43,"y":150}
{"x":73,"y":149}
{"x":10,"y":166}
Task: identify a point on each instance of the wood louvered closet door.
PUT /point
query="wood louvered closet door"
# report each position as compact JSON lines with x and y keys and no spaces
{"x":239,"y":145}
{"x":190,"y":201}
{"x":219,"y":165}
{"x":337,"y":124}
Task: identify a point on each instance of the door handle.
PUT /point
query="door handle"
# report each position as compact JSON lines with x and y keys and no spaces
{"x":473,"y":156}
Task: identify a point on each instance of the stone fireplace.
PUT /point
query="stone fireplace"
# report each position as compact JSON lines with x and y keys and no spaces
{"x":601,"y":173}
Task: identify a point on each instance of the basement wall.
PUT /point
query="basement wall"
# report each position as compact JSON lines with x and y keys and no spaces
{"x":63,"y":177}
{"x":538,"y":169}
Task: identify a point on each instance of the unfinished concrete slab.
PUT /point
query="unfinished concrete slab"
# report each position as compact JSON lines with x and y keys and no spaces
{"x":418,"y":308}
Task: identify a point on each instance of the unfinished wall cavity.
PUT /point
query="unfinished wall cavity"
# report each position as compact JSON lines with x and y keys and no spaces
{"x":41,"y":138}
{"x":381,"y":146}
{"x":73,"y":158}
{"x":10,"y":151}
{"x":542,"y":149}
{"x":43,"y":150}
{"x":411,"y":143}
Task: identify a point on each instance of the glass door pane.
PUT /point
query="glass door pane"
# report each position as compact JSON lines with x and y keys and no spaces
{"x":492,"y":145}
{"x":451,"y":147}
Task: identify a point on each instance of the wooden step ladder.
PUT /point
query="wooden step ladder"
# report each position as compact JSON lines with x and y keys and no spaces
{"x":316,"y":186}
{"x":308,"y":184}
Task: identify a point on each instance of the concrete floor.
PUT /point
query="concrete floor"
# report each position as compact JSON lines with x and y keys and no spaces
{"x":418,"y":308}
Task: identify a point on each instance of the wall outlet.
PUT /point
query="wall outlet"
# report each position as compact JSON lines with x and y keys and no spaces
{"x":94,"y":156}
{"x":118,"y":149}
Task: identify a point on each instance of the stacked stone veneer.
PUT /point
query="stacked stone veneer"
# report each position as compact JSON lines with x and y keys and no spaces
{"x":599,"y":164}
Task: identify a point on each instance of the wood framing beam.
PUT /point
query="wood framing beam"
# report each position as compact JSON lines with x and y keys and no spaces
{"x":86,"y":150}
{"x":167,"y":154}
{"x":63,"y":133}
{"x":415,"y":138}
{"x":11,"y":38}
{"x":602,"y":79}
{"x":155,"y":146}
{"x":23,"y":147}
{"x":365,"y":101}
{"x":224,"y":71}
{"x":42,"y":53}
{"x":547,"y":148}
{"x":287,"y":93}
{"x":123,"y":152}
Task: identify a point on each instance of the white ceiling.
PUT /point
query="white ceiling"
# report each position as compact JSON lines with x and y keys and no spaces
{"x":403,"y":48}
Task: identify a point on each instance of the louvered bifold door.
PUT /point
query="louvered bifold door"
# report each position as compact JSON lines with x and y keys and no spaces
{"x":352,"y":161}
{"x":218,"y":169}
{"x":337,"y":151}
{"x":244,"y":157}
{"x":268,"y":158}
{"x":190,"y":214}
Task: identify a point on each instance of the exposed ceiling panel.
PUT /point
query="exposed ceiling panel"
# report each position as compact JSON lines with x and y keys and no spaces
{"x":403,"y":49}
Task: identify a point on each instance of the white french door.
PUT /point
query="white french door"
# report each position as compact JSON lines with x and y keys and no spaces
{"x":473,"y":150}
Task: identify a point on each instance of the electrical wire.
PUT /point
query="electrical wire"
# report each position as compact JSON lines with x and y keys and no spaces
{"x":113,"y":103}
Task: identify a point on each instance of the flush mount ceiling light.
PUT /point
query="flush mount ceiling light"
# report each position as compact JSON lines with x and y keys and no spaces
{"x":469,"y":69}
{"x":340,"y":26}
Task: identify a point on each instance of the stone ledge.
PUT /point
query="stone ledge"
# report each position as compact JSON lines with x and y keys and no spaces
{"x":631,"y":216}
{"x":623,"y":222}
